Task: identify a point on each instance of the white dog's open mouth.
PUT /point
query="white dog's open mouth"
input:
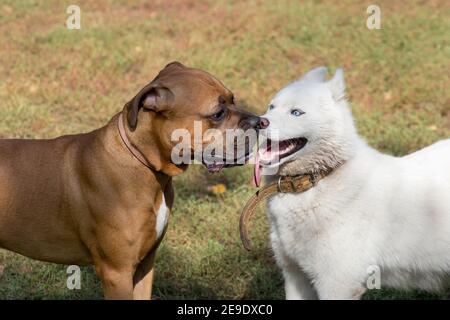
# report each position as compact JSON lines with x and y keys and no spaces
{"x":277,"y":150}
{"x":274,"y":152}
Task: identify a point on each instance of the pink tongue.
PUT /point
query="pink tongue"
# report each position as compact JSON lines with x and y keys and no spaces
{"x":257,"y":172}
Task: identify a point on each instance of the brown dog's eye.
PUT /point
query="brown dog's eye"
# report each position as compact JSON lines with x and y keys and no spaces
{"x":219,"y":115}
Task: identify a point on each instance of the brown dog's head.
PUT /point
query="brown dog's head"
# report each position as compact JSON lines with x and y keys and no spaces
{"x":180,"y":99}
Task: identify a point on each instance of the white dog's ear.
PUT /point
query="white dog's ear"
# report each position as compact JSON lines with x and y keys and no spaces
{"x":337,"y":85}
{"x":315,"y":75}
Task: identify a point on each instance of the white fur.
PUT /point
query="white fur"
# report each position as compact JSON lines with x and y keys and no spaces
{"x":372,"y":210}
{"x":161,"y":218}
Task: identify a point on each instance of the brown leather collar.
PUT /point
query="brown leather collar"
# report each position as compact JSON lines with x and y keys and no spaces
{"x":285,"y":184}
{"x":134,"y":151}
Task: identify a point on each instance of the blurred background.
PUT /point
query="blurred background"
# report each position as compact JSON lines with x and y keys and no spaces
{"x":56,"y":81}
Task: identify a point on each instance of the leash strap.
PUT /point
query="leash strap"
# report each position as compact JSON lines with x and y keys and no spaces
{"x":285,"y":184}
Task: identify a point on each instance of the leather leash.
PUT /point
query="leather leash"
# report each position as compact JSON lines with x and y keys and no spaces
{"x":285,"y":184}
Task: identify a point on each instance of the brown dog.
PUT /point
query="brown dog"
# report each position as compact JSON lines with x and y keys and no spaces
{"x":92,"y":198}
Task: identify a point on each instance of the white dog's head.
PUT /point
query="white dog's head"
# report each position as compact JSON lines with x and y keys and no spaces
{"x":312,"y":123}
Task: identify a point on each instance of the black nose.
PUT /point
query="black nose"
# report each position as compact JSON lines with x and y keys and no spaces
{"x":263,"y":123}
{"x":254,"y":122}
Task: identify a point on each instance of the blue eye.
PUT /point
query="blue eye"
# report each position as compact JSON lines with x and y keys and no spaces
{"x":296,"y":112}
{"x":271,"y":107}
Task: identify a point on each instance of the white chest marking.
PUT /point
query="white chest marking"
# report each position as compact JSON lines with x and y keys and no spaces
{"x":161,"y":218}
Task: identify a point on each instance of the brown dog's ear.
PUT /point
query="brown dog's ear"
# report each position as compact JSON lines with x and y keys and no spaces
{"x":175,"y":64}
{"x":151,"y":97}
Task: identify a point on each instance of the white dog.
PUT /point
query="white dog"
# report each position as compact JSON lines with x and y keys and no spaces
{"x":373,"y":212}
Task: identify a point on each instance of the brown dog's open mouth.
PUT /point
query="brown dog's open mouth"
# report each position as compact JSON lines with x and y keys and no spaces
{"x":216,"y":166}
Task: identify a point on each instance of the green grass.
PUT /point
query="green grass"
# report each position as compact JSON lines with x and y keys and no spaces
{"x":56,"y":81}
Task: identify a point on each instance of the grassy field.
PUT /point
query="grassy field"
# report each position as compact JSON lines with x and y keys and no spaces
{"x":56,"y":81}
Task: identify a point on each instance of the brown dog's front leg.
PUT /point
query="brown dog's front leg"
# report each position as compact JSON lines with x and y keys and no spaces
{"x":143,"y":278}
{"x":117,"y":283}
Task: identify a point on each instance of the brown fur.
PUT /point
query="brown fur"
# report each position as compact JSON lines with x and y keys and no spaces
{"x":84,"y":199}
